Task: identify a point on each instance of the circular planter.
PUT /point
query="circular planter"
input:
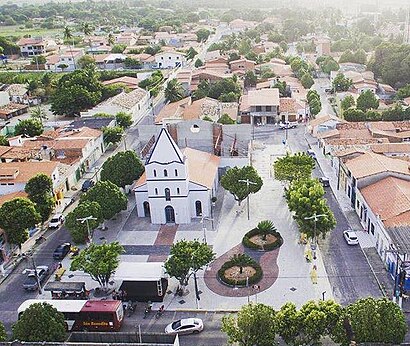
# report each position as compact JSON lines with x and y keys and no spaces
{"x":229,"y":274}
{"x":254,"y":240}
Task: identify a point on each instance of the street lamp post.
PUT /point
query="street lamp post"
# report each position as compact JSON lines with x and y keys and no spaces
{"x":86,"y":219}
{"x":247,"y":182}
{"x":315,"y":217}
{"x":203,"y":218}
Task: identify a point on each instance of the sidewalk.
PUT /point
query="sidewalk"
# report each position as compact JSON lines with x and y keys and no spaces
{"x":366,"y":242}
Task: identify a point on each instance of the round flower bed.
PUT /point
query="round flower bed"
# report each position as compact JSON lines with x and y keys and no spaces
{"x":262,"y":238}
{"x":235,"y":271}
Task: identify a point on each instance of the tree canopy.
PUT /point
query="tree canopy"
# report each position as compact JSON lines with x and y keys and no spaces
{"x":99,"y":261}
{"x":40,"y":322}
{"x":240,"y":190}
{"x":254,"y":325}
{"x":16,"y":217}
{"x":78,"y":229}
{"x":29,"y":127}
{"x":123,"y":119}
{"x":186,"y":258}
{"x":3,"y":333}
{"x":294,"y":167}
{"x":40,"y":191}
{"x":347,"y":102}
{"x":174,"y":91}
{"x":122,"y":168}
{"x":341,"y":83}
{"x":113,"y":134}
{"x":367,"y":100}
{"x":218,"y":89}
{"x":109,"y":196}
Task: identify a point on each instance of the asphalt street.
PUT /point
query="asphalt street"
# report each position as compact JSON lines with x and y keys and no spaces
{"x":349,"y":273}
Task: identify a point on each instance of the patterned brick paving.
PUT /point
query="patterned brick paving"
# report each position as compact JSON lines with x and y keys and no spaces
{"x":267,"y":260}
{"x":166,"y":236}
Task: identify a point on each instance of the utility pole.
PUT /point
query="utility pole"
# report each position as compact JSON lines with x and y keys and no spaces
{"x":248,"y":183}
{"x":203,"y":218}
{"x":314,"y":217}
{"x":40,"y":290}
{"x":86,"y":219}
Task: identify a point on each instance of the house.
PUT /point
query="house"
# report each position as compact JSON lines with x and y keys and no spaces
{"x":239,"y":25}
{"x":177,"y":185}
{"x":323,"y":124}
{"x":68,"y":59}
{"x":292,"y":110}
{"x":110,"y":61}
{"x":173,"y":111}
{"x":170,"y":59}
{"x":209,"y":75}
{"x":96,"y":123}
{"x":129,"y":82}
{"x":136,"y":102}
{"x":12,"y":110}
{"x":260,"y":106}
{"x":242,"y":65}
{"x":396,"y":150}
{"x":184,"y":77}
{"x":219,"y":65}
{"x":18,"y":93}
{"x":322,"y":46}
{"x":147,"y":60}
{"x":32,"y":46}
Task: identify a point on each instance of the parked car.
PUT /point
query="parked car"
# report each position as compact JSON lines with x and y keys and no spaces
{"x":311,"y":153}
{"x":351,"y":237}
{"x":61,"y":251}
{"x":88,"y":184}
{"x":56,"y":221}
{"x":288,"y":125}
{"x":185,"y":326}
{"x":324,"y":181}
{"x":31,"y":284}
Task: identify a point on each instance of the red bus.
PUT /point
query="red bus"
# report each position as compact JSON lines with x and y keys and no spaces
{"x":85,"y":315}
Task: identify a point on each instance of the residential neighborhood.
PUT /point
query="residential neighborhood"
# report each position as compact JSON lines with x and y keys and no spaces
{"x":174,"y":173}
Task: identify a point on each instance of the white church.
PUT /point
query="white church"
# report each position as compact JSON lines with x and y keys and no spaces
{"x":177,"y":185}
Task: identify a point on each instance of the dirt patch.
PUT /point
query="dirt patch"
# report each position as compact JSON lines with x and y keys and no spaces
{"x":233,"y":273}
{"x":258,"y":239}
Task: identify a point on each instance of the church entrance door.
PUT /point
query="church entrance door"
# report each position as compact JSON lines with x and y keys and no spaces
{"x":169,"y":214}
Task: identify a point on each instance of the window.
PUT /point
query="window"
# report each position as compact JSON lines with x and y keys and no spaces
{"x":167,"y":194}
{"x":165,"y":173}
{"x":269,"y":108}
{"x":176,"y":172}
{"x":178,"y":190}
{"x":156,"y":191}
{"x":155,"y":172}
{"x":372,"y":228}
{"x":259,"y":108}
{"x":198,"y":208}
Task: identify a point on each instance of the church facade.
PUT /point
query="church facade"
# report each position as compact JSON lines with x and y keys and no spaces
{"x":177,"y":185}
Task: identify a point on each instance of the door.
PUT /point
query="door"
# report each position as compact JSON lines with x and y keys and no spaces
{"x":198,"y":208}
{"x":147,"y":212}
{"x":169,"y":214}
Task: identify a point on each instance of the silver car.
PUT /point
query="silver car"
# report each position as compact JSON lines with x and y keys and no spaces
{"x":185,"y":326}
{"x":351,"y":237}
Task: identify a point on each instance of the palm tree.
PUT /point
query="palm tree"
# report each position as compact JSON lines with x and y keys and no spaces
{"x":266,"y":227}
{"x":86,"y":28}
{"x":174,"y":91}
{"x":32,"y":85}
{"x":110,"y":39}
{"x":67,"y":35}
{"x":39,"y":114}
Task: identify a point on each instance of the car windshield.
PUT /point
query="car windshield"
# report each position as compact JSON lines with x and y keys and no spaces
{"x":54,"y":220}
{"x":176,"y":324}
{"x":353,"y":237}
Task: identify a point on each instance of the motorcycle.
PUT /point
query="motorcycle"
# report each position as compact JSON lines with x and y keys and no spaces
{"x":147,"y":310}
{"x":160,"y":312}
{"x":130,"y":308}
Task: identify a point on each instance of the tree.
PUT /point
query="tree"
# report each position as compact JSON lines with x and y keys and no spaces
{"x":341,"y":83}
{"x":86,"y":61}
{"x":328,"y":64}
{"x":367,"y":100}
{"x":38,"y":113}
{"x":4,"y":141}
{"x":39,"y":59}
{"x":174,"y":91}
{"x":403,"y":92}
{"x":123,"y":119}
{"x":353,"y":114}
{"x":78,"y":229}
{"x":67,"y":34}
{"x":225,"y":119}
{"x":307,"y":80}
{"x":109,"y":196}
{"x":118,"y":48}
{"x":40,"y":191}
{"x":62,"y":67}
{"x":122,"y":168}
{"x":86,"y":29}
{"x":255,"y":324}
{"x":348,"y":102}
{"x":40,"y":322}
{"x":240,"y":190}
{"x":202,"y":35}
{"x":190,"y":54}
{"x":305,"y":198}
{"x":29,"y":127}
{"x":315,"y":106}
{"x":294,"y":167}
{"x":372,"y":321}
{"x":187,"y":257}
{"x":250,"y":79}
{"x":110,"y":39}
{"x":113,"y":134}
{"x":132,"y":63}
{"x":16,"y":217}
{"x":75,"y":92}
{"x":99,"y":261}
{"x":198,"y":63}
{"x":3,"y":333}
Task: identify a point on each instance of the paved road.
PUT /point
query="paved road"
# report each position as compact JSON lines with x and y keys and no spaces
{"x":349,"y":273}
{"x":319,"y":86}
{"x":12,"y":293}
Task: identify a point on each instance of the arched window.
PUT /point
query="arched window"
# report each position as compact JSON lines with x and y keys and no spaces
{"x":167,"y":194}
{"x":178,"y":191}
{"x":176,"y":172}
{"x":198,"y":208}
{"x":165,"y":173}
{"x":156,"y":191}
{"x":155,"y":172}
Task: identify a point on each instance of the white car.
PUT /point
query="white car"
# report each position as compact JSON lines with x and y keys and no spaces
{"x":56,"y":221}
{"x":185,"y":326}
{"x":351,"y":237}
{"x":288,"y":125}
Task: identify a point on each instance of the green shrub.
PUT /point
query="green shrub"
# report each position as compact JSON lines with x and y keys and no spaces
{"x":263,"y":228}
{"x":240,"y":260}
